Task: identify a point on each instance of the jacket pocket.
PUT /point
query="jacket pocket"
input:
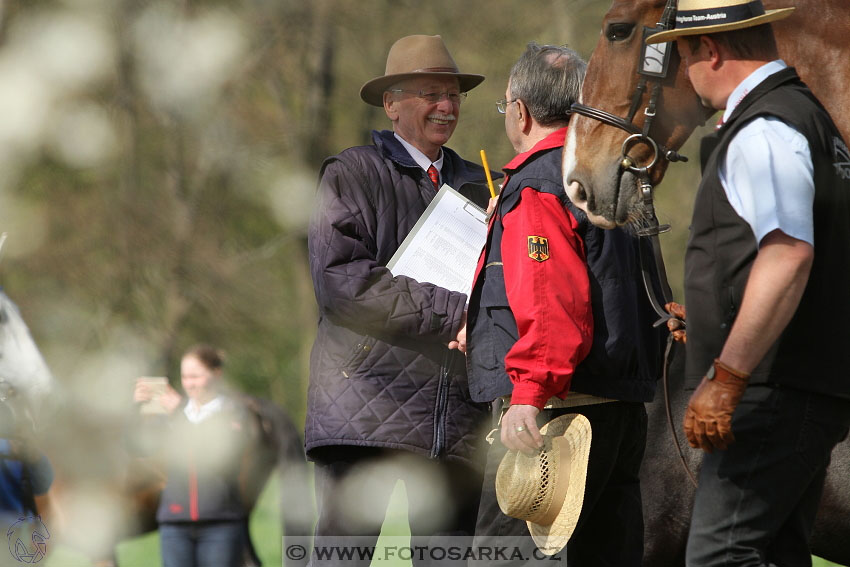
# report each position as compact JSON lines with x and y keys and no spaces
{"x":357,"y":356}
{"x":730,"y":308}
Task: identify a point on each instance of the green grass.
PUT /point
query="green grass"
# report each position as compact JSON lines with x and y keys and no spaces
{"x":266,"y":534}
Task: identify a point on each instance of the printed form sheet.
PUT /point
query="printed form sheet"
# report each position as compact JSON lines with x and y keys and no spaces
{"x":445,"y":243}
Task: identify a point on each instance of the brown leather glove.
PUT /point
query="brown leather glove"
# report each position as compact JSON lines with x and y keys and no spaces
{"x":708,"y":419}
{"x":676,"y":326}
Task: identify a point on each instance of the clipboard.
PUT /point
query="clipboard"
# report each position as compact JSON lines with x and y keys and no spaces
{"x":444,"y":245}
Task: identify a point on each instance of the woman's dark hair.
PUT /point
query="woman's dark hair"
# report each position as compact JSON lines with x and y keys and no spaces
{"x":209,"y":356}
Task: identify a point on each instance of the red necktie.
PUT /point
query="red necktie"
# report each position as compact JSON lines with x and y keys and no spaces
{"x":434,"y":175}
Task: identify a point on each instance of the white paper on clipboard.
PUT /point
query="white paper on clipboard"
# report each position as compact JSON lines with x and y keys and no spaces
{"x":444,"y":245}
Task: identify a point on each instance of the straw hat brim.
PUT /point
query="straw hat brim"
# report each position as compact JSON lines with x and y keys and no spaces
{"x":575,"y":430}
{"x":767,"y":17}
{"x":373,"y":91}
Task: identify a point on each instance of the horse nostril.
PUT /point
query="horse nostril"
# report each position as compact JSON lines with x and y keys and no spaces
{"x":576,"y":193}
{"x":581,"y":193}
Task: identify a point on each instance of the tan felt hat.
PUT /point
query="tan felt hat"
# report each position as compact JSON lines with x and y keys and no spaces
{"x":416,"y":56}
{"x":547,"y":489}
{"x":698,"y":17}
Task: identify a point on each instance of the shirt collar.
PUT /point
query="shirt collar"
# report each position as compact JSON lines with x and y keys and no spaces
{"x":751,"y":82}
{"x":197,"y":414}
{"x":421,"y":159}
{"x":553,"y":140}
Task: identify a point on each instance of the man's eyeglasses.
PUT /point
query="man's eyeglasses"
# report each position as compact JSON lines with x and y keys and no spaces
{"x":454,"y":98}
{"x":502,"y":105}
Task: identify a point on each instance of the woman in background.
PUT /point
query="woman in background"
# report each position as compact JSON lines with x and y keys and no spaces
{"x":207,"y":442}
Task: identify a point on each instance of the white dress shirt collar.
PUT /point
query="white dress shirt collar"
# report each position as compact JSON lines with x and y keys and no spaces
{"x":421,"y":159}
{"x":751,"y":82}
{"x":197,"y":414}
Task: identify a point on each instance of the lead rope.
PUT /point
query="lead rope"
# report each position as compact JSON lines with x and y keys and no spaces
{"x":651,"y":233}
{"x":668,"y":409}
{"x":666,"y":22}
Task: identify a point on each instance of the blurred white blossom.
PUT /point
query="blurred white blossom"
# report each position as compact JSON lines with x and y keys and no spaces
{"x":105,"y":380}
{"x":48,"y":57}
{"x":99,"y":519}
{"x":361,"y":489}
{"x":24,"y":221}
{"x":184,"y":62}
{"x":291,"y":190}
{"x":81,"y":135}
{"x":25,"y":100}
{"x":68,"y":50}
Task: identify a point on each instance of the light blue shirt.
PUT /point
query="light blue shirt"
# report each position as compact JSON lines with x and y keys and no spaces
{"x":767,"y":173}
{"x":421,"y":159}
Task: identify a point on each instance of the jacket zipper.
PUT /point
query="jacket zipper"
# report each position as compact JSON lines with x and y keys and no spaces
{"x":440,"y":410}
{"x":193,"y":487}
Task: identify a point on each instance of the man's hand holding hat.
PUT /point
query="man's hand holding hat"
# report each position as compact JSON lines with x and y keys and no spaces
{"x":519,"y":429}
{"x":546,"y":489}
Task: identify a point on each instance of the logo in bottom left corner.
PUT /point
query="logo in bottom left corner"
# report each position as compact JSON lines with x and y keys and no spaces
{"x":28,"y":540}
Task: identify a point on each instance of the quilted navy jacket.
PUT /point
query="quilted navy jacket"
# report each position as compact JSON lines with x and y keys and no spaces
{"x":381,"y":374}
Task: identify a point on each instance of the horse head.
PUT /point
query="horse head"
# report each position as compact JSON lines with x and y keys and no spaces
{"x":609,"y":147}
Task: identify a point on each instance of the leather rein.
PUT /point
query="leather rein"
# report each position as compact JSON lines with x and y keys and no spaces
{"x":658,"y":298}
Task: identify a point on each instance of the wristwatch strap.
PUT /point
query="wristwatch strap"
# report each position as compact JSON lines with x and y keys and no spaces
{"x":725,"y":374}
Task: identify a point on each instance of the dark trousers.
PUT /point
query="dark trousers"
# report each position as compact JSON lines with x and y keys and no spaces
{"x":353,"y":488}
{"x":757,"y":500}
{"x":610,"y":528}
{"x":202,"y":544}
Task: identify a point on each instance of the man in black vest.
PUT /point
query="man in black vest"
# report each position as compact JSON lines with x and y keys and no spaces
{"x":767,"y":338}
{"x":558,"y":323}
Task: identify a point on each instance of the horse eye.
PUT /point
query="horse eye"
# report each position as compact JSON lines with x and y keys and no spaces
{"x":618,"y":32}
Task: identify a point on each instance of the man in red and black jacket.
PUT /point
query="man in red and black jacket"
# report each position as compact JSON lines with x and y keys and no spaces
{"x":558,"y":323}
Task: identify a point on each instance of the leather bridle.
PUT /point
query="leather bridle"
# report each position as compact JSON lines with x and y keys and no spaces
{"x":654,"y":77}
{"x":652,"y":228}
{"x":648,"y":74}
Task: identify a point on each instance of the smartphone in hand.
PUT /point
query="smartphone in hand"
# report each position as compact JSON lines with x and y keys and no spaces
{"x":156,"y":386}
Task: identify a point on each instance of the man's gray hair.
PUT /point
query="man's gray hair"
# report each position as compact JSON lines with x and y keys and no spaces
{"x":548,"y":80}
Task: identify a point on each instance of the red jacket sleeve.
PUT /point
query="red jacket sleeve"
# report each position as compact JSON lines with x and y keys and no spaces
{"x":550,"y":298}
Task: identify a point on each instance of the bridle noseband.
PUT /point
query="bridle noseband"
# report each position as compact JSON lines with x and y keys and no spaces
{"x":652,"y":69}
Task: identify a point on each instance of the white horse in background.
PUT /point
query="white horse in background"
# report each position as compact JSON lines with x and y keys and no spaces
{"x":25,"y":379}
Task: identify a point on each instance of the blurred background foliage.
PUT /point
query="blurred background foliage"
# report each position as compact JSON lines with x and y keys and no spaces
{"x":158,"y":161}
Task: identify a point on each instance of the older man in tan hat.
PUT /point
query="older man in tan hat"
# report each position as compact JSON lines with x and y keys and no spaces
{"x":767,"y":332}
{"x":385,"y":386}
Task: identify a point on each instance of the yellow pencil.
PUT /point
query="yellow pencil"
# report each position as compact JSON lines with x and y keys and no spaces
{"x":487,"y":172}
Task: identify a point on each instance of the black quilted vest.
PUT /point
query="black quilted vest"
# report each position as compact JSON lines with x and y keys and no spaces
{"x":813,"y":352}
{"x":624,"y":361}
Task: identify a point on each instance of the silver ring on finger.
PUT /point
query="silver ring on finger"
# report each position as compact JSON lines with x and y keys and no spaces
{"x":519,"y":428}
